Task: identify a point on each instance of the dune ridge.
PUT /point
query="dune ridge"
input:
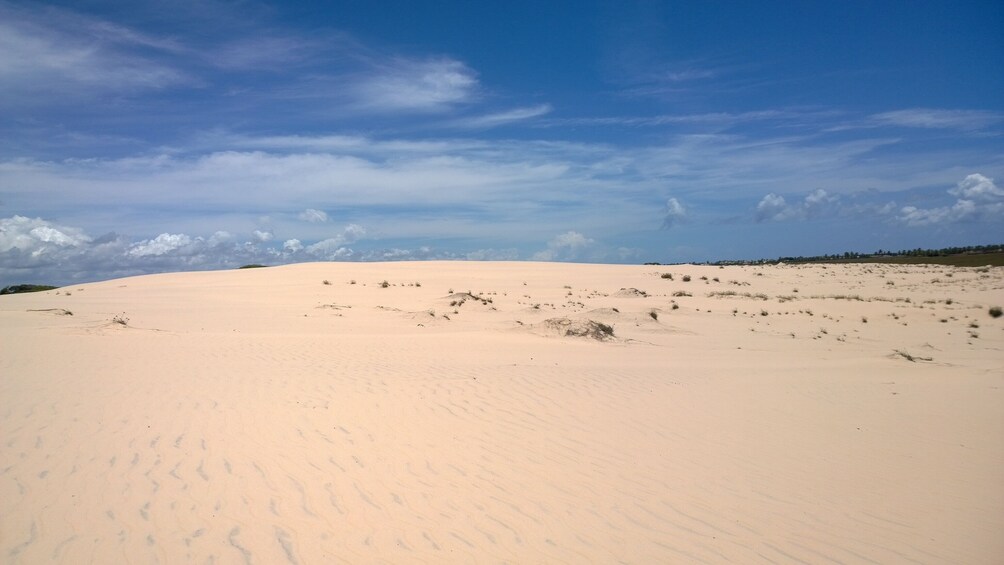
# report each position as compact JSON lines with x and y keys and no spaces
{"x":429,"y":412}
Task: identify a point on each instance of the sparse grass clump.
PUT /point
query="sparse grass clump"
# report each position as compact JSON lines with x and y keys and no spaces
{"x":912,"y":358}
{"x":682,"y":293}
{"x":120,"y":319}
{"x":996,"y":312}
{"x":326,"y":282}
{"x":722,"y":293}
{"x":676,"y":307}
{"x":654,"y":315}
{"x":686,"y":278}
{"x":384,"y":284}
{"x":667,"y":276}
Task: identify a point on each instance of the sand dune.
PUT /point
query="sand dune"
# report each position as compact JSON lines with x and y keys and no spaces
{"x":813,"y":414}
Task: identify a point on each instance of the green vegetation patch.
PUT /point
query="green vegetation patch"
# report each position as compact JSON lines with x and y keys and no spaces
{"x":20,"y":288}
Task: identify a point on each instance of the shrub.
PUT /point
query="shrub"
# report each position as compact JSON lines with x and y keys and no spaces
{"x":676,"y":307}
{"x":19,"y":288}
{"x":326,"y":282}
{"x":384,"y":284}
{"x":995,"y":312}
{"x":252,"y":266}
{"x":654,"y":314}
{"x":667,"y":276}
{"x":686,"y":278}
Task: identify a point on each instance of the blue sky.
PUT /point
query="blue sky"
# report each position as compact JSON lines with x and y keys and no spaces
{"x":144,"y":136}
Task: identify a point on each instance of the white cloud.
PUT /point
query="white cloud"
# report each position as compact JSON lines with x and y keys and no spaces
{"x":329,"y":249}
{"x":313,"y":216}
{"x":37,"y":236}
{"x":47,"y":51}
{"x":774,"y":207}
{"x":160,"y":245}
{"x":966,"y":120}
{"x":502,"y":118}
{"x":220,"y":238}
{"x":675,"y":213}
{"x":334,"y":248}
{"x":353,"y":232}
{"x":977,"y":187}
{"x":817,"y":203}
{"x":33,"y":249}
{"x":411,"y":85}
{"x":263,"y":235}
{"x":960,"y":211}
{"x":977,"y":198}
{"x":564,"y":247}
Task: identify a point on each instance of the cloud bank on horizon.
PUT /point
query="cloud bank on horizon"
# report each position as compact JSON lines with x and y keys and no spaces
{"x":136,"y":138}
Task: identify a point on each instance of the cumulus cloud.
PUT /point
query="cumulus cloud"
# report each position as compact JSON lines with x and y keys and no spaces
{"x":329,"y":249}
{"x":334,"y":248}
{"x":263,"y":235}
{"x":675,"y":213}
{"x":313,"y":216}
{"x":160,"y":245}
{"x":220,"y":238}
{"x":37,"y":237}
{"x":977,"y":197}
{"x":774,"y":207}
{"x":564,"y":247}
{"x":37,"y":250}
{"x":977,"y":187}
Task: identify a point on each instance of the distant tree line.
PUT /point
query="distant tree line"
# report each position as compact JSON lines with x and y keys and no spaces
{"x":878,"y":256}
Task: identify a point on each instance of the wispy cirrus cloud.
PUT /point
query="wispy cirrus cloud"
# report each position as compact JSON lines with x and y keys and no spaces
{"x":52,"y":54}
{"x":501,"y":118}
{"x":933,"y":118}
{"x":409,"y":85}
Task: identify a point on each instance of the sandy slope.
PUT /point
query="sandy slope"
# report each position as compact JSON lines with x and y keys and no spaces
{"x":261,"y":416}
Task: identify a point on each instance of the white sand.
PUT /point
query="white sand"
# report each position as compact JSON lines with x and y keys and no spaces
{"x":260,"y":416}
